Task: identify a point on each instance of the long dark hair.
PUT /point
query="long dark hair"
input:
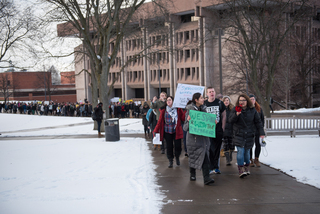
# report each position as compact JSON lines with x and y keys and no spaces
{"x":249,"y":103}
{"x":165,"y":106}
{"x":195,"y":97}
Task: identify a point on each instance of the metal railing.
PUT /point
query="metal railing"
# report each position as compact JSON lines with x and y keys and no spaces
{"x":292,"y":124}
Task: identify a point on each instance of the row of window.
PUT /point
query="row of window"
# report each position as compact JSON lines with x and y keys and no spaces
{"x":162,"y":74}
{"x":186,"y":55}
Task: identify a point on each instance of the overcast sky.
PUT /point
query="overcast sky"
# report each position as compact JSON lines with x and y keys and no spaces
{"x":57,"y":46}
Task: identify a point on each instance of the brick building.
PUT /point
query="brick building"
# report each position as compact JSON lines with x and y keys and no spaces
{"x":26,"y":86}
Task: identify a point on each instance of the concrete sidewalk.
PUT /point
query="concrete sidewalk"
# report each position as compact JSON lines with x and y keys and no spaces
{"x":266,"y":190}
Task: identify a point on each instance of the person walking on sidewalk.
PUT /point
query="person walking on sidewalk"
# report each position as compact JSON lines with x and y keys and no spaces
{"x":228,"y":146}
{"x":156,"y":105}
{"x":169,"y":127}
{"x":256,"y":138}
{"x":99,"y":116}
{"x":216,"y":106}
{"x":245,"y":120}
{"x":198,"y":146}
{"x":144,"y":112}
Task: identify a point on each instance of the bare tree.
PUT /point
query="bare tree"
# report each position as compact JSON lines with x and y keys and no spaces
{"x":17,"y":30}
{"x":6,"y":86}
{"x":45,"y":82}
{"x":257,"y":30}
{"x":102,"y":27}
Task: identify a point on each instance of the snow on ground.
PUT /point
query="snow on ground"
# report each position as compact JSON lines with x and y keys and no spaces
{"x":297,"y":156}
{"x":74,"y":175}
{"x":94,"y":176}
{"x":34,"y":125}
{"x":301,"y":110}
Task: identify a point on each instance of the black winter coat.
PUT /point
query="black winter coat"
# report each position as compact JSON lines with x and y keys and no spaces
{"x":99,"y":113}
{"x":152,"y":119}
{"x":228,"y":128}
{"x":198,"y":146}
{"x":143,"y":112}
{"x":244,"y":127}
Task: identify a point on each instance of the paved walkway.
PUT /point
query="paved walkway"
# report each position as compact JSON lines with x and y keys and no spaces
{"x":266,"y":190}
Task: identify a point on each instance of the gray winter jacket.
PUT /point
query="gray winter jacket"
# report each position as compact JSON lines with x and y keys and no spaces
{"x":197,"y":146}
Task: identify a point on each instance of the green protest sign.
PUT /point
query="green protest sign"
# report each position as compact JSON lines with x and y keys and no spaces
{"x":202,"y":123}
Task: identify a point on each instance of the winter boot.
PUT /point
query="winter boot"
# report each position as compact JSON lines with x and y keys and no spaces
{"x":222,"y":153}
{"x":227,"y":154}
{"x":257,"y":162}
{"x":178,"y":161}
{"x":206,"y":176}
{"x":192,"y":174}
{"x":251,"y":163}
{"x":231,"y":151}
{"x":99,"y":134}
{"x":170,"y":164}
{"x":242,"y":172}
{"x":247,"y":168}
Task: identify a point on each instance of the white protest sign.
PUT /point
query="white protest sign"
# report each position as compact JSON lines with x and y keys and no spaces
{"x":184,"y":93}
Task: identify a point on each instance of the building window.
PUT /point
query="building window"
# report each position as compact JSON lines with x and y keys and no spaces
{"x":135,"y":76}
{"x":187,"y":55}
{"x":177,"y":73}
{"x":188,"y":73}
{"x":187,"y":36}
{"x":192,"y":35}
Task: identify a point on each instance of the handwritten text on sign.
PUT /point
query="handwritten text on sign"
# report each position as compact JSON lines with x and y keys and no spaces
{"x":202,"y":123}
{"x":184,"y":93}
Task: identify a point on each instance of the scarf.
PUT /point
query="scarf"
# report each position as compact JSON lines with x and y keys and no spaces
{"x":173,"y":113}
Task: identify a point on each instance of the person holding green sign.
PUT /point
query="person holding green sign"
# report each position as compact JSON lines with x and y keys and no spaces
{"x":198,"y":146}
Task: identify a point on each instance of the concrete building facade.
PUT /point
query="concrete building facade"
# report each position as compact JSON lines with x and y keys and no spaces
{"x":185,"y":49}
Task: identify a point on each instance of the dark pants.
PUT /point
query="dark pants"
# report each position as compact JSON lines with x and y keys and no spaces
{"x":146,"y":129}
{"x":227,"y":144}
{"x":173,"y":145}
{"x":184,"y":139}
{"x":99,"y":125}
{"x":215,"y":148}
{"x":258,"y":147}
{"x":205,"y":169}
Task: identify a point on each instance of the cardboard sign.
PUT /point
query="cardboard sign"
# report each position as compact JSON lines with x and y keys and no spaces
{"x":184,"y":93}
{"x":202,"y":123}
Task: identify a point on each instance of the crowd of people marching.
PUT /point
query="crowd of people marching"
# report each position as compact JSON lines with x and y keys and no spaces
{"x":78,"y":109}
{"x":239,"y":126}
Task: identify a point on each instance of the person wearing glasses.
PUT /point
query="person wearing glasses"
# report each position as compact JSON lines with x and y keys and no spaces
{"x":246,"y":121}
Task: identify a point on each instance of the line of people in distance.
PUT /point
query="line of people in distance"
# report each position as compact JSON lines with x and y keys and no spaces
{"x":240,"y":127}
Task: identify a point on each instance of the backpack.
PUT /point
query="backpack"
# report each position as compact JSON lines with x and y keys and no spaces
{"x":148,"y":114}
{"x":93,"y":115}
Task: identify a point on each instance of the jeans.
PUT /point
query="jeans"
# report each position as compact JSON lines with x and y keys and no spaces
{"x":243,"y":155}
{"x":99,"y":125}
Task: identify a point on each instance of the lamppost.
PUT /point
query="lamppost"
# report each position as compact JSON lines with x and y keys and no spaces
{"x":158,"y":61}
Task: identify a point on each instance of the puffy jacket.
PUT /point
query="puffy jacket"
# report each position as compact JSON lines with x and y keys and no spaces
{"x":228,"y":128}
{"x":197,"y":145}
{"x":244,"y":127}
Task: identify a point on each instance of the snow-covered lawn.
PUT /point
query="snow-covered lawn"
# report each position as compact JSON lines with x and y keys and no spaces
{"x":91,"y":175}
